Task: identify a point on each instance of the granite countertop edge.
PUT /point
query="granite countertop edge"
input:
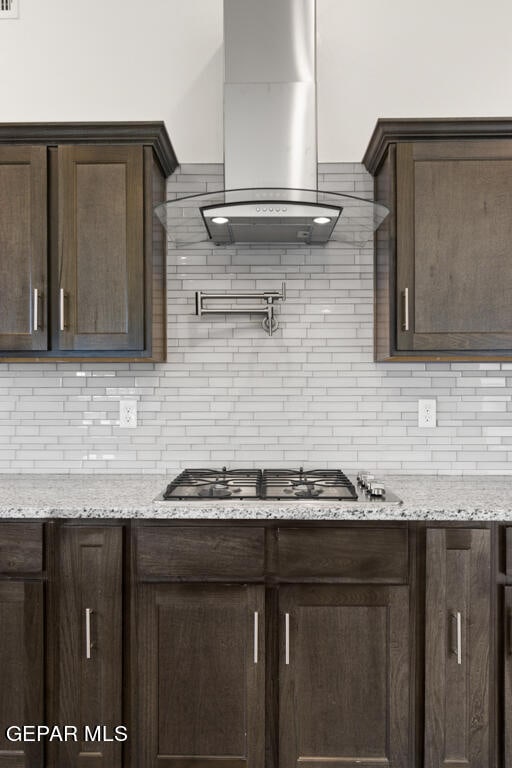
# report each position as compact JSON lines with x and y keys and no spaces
{"x":241,"y":511}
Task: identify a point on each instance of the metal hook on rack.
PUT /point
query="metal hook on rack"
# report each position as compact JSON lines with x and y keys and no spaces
{"x":269,"y":323}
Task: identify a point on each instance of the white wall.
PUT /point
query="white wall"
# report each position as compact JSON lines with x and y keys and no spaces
{"x":162,"y":59}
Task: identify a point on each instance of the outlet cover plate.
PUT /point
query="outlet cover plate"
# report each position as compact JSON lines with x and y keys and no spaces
{"x":427,"y":414}
{"x":128,"y":414}
{"x":9,"y":9}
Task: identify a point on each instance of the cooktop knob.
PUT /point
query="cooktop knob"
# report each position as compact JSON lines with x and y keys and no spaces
{"x":365,"y":478}
{"x":376,"y":488}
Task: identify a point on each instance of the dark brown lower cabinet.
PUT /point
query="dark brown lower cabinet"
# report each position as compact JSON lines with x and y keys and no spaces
{"x":280,"y":672}
{"x":21,"y":669}
{"x":457,"y":649}
{"x":344,"y":677}
{"x":507,"y":637}
{"x":202,"y":676}
{"x":87,"y":646}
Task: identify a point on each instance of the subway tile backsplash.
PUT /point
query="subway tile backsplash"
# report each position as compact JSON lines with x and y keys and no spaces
{"x":229,"y":394}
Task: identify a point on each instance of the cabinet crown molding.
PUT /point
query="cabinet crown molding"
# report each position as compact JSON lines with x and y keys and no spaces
{"x":149,"y":133}
{"x":390,"y":130}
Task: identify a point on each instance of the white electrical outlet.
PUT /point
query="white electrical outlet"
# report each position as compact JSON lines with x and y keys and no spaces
{"x":9,"y":9}
{"x":427,"y":414}
{"x":128,"y":414}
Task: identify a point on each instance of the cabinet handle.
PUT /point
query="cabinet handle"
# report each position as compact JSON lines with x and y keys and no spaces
{"x":510,"y":633}
{"x":256,"y":622}
{"x":88,"y":644}
{"x":62,"y":319}
{"x":35,"y":309}
{"x":457,"y":617}
{"x":287,"y":638}
{"x":405,"y":323}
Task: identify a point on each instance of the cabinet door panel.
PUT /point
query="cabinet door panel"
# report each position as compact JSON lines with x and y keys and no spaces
{"x":202,"y":685}
{"x":89,"y":679}
{"x":455,"y":229}
{"x":344,"y":680}
{"x":101,"y":248}
{"x":457,"y":649}
{"x":507,"y":637}
{"x":23,"y":247}
{"x":21,"y":669}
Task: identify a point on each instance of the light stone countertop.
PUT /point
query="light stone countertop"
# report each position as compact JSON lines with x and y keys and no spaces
{"x":425,"y":497}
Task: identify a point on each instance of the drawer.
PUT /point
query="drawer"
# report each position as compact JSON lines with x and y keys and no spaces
{"x":21,"y":547}
{"x":355,"y":554}
{"x":197,"y":552}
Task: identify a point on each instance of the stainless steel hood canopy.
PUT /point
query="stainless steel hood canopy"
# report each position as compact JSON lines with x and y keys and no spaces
{"x":270,"y":157}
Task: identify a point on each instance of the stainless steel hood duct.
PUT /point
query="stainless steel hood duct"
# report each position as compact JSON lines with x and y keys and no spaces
{"x":270,"y":94}
{"x":270,"y":141}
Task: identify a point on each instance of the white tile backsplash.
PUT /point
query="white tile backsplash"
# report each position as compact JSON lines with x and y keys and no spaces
{"x":229,"y":394}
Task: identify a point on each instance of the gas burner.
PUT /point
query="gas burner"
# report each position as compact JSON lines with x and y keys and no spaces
{"x":217,"y":490}
{"x":304,"y":490}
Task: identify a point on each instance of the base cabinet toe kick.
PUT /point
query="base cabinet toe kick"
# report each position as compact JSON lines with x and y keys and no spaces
{"x":255,"y":644}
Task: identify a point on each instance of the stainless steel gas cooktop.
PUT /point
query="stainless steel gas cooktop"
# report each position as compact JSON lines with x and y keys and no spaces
{"x":278,"y":484}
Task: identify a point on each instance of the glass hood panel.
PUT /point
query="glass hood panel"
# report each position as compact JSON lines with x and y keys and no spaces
{"x":270,"y":217}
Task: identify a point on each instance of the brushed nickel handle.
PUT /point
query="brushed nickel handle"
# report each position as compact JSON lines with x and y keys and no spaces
{"x":510,"y":633}
{"x":35,"y":309}
{"x":405,"y":323}
{"x":256,"y":623}
{"x":459,"y":638}
{"x":62,"y":319}
{"x":457,"y":651}
{"x":88,"y":644}
{"x":287,"y":638}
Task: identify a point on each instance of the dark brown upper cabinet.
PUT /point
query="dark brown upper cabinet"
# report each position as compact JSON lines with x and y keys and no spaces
{"x":101,"y":253}
{"x":458,"y":649}
{"x":76,"y":204}
{"x":442,"y":266}
{"x":23,"y":248}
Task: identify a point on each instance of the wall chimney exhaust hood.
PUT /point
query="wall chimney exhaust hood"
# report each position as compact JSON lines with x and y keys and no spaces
{"x":270,"y":147}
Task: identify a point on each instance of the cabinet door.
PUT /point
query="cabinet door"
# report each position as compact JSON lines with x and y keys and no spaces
{"x":21,"y":669}
{"x":101,"y":248}
{"x":457,"y":648}
{"x":202,"y":682}
{"x":508,"y":677}
{"x":89,"y":643}
{"x":23,"y":266}
{"x":344,"y":677}
{"x":454,"y":231}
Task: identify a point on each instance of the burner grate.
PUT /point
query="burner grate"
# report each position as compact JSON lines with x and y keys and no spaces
{"x":325,"y":484}
{"x":215,"y":484}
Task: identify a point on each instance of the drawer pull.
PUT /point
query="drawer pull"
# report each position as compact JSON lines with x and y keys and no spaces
{"x":509,"y":644}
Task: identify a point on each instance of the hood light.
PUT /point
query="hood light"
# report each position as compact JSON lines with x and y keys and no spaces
{"x":321,"y":220}
{"x":220,"y":220}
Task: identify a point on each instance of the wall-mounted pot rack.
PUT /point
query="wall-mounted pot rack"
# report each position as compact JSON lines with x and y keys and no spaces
{"x":268,"y":299}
